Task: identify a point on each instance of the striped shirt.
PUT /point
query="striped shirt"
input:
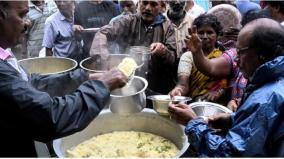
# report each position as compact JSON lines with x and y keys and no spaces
{"x":35,"y":34}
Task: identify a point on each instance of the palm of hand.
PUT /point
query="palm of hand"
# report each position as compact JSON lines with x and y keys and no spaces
{"x":193,"y":42}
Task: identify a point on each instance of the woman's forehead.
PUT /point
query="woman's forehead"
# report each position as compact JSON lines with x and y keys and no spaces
{"x":203,"y":27}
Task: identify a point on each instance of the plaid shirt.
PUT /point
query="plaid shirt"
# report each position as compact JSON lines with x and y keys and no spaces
{"x":238,"y":82}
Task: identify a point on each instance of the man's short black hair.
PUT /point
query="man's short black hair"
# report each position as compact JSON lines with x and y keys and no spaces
{"x":269,"y":42}
{"x":208,"y":20}
{"x":253,"y":15}
{"x":276,"y":4}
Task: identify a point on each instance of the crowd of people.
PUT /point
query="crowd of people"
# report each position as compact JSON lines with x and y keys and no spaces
{"x":231,"y":54}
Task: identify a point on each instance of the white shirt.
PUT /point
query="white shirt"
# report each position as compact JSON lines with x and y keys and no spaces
{"x":196,"y":10}
{"x":185,"y":64}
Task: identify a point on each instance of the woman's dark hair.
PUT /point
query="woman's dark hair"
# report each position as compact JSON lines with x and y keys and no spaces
{"x":208,"y":20}
{"x":269,"y":42}
{"x":276,"y":4}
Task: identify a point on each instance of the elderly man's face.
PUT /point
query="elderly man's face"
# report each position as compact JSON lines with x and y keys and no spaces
{"x":247,"y":58}
{"x":149,"y":9}
{"x":176,"y":6}
{"x":128,"y":7}
{"x":66,"y":7}
{"x":13,"y":25}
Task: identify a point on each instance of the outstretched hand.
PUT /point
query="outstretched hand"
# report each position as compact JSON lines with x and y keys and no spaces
{"x":233,"y":104}
{"x":182,"y":113}
{"x":177,"y":91}
{"x":113,"y":79}
{"x":192,"y":41}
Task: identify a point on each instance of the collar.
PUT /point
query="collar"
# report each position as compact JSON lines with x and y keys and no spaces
{"x":159,"y":19}
{"x":4,"y":54}
{"x":63,"y":18}
{"x":268,"y":71}
{"x":186,"y":19}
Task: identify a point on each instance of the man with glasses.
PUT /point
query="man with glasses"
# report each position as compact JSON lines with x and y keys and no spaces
{"x":226,"y":66}
{"x":257,"y":127}
{"x":146,"y":28}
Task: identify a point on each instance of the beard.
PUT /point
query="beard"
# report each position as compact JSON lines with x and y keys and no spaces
{"x":176,"y":9}
{"x":176,"y":15}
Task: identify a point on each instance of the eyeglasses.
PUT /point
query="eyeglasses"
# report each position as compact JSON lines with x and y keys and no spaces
{"x":241,"y":50}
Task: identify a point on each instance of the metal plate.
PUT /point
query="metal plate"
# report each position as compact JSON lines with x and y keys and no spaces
{"x":161,"y":102}
{"x":205,"y":109}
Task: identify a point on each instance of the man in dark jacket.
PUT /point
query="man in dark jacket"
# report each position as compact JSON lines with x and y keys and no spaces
{"x":257,"y":127}
{"x":92,"y":14}
{"x":28,"y":114}
{"x":147,"y":28}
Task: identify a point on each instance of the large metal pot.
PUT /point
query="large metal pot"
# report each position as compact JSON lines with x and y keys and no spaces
{"x":131,"y":98}
{"x":145,"y":121}
{"x":48,"y":65}
{"x":97,"y":64}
